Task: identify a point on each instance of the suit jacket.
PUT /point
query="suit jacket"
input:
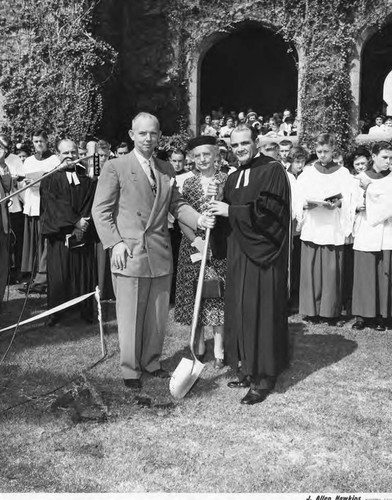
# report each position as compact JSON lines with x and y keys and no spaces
{"x":125,"y":209}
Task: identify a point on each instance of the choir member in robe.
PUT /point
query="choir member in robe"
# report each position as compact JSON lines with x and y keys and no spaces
{"x":256,"y":203}
{"x":66,"y":201}
{"x":5,"y":188}
{"x":372,"y":285}
{"x":34,"y":246}
{"x":324,"y":190}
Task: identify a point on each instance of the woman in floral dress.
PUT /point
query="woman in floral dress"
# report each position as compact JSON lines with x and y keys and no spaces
{"x":211,"y":310}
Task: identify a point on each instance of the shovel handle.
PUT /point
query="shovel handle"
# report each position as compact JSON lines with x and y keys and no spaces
{"x":199,"y":290}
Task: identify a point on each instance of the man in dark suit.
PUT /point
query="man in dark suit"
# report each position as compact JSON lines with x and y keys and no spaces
{"x":134,"y":196}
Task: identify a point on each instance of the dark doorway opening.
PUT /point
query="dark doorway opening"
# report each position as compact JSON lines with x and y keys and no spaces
{"x":250,"y":68}
{"x":375,"y":67}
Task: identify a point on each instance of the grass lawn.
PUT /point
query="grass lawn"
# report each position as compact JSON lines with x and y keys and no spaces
{"x":326,"y":428}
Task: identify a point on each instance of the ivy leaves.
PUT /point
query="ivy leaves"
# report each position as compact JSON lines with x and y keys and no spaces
{"x":51,"y":76}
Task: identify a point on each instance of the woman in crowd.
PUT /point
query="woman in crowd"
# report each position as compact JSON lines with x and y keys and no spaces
{"x":205,"y":154}
{"x":226,"y":131}
{"x":372,"y":283}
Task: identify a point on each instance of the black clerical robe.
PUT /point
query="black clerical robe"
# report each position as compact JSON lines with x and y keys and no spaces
{"x":256,"y":326}
{"x":71,"y":271}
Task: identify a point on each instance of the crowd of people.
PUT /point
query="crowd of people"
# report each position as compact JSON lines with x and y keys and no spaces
{"x":320,"y":221}
{"x":220,"y":124}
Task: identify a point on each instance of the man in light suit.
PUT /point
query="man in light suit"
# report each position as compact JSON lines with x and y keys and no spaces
{"x":134,"y":195}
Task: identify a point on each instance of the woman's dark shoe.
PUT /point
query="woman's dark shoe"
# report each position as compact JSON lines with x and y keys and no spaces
{"x":359,"y":324}
{"x":200,"y":357}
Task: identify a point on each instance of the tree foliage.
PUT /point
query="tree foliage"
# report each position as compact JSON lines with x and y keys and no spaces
{"x":55,"y":70}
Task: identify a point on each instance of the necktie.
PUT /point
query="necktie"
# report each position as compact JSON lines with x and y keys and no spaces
{"x":151,"y":177}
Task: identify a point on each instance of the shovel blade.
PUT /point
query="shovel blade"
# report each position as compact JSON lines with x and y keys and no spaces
{"x":184,"y":376}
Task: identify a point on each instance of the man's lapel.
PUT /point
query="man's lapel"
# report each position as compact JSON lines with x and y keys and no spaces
{"x":137,"y":174}
{"x":162,"y":186}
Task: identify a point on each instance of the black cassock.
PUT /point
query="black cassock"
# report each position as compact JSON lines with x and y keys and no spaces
{"x":256,"y":325}
{"x":71,"y":271}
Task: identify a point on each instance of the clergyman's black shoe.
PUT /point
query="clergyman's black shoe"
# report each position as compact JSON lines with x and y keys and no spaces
{"x":160,"y":373}
{"x":239,"y":384}
{"x":133,"y":383}
{"x":254,"y":396}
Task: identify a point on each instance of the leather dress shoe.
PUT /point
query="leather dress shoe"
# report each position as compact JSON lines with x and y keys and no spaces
{"x":133,"y":383}
{"x":239,"y":384}
{"x":336,"y":322}
{"x":254,"y":396}
{"x":380,"y":327}
{"x":219,"y":363}
{"x":200,"y":357}
{"x":315,"y":320}
{"x":160,"y":373}
{"x":359,"y":324}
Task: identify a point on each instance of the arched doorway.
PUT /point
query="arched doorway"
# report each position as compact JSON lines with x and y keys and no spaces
{"x":252,"y":67}
{"x":375,"y":68}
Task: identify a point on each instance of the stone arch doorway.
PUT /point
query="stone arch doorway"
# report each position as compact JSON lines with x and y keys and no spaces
{"x":376,"y":65}
{"x":252,"y":67}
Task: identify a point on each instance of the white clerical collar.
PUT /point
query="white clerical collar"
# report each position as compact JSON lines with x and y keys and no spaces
{"x":72,"y":177}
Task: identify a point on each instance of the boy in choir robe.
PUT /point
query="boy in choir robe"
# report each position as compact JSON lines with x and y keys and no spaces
{"x":372,"y":284}
{"x":324,"y":191}
{"x":256,"y":203}
{"x":285,"y":147}
{"x":34,"y":247}
{"x":66,"y":201}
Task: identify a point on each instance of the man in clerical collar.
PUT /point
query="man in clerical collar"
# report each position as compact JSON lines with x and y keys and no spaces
{"x":256,"y":203}
{"x":66,"y":201}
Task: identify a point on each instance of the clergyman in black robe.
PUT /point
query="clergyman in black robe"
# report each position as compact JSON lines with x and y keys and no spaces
{"x":256,"y":203}
{"x":66,"y":201}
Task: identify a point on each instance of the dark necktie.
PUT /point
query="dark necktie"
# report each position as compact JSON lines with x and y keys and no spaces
{"x":151,"y":177}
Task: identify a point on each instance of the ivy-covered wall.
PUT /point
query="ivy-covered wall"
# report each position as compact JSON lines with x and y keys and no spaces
{"x":90,"y":65}
{"x":164,"y":42}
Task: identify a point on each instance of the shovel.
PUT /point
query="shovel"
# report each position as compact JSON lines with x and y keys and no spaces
{"x":188,"y":370}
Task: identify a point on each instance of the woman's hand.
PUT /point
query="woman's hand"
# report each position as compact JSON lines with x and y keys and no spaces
{"x":219,"y":208}
{"x":213,"y":188}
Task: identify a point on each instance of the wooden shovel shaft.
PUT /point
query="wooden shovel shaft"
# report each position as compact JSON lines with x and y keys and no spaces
{"x":199,"y":291}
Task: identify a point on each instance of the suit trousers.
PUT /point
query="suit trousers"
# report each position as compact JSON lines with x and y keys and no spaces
{"x":142,"y":307}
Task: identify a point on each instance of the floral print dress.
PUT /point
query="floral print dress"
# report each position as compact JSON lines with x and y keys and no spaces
{"x":211,"y":310}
